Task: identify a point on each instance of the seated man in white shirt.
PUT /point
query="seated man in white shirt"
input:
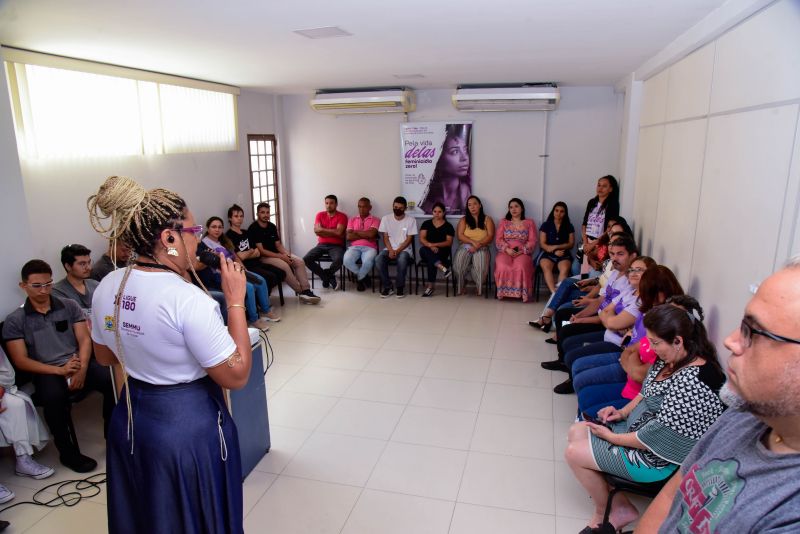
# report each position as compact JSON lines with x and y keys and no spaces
{"x":398,"y":231}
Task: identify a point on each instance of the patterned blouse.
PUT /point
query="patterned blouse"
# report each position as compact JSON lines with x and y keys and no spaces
{"x":675,"y":412}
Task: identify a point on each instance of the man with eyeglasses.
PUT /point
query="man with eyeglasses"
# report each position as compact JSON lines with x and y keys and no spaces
{"x":77,"y":285}
{"x":744,"y":473}
{"x":48,"y":338}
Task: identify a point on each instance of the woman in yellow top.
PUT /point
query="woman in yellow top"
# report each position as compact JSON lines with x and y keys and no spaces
{"x":475,"y":234}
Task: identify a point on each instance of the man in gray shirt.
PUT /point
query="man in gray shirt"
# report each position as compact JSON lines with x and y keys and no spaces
{"x":121,"y":253}
{"x":744,"y":474}
{"x":48,"y":338}
{"x":77,"y":285}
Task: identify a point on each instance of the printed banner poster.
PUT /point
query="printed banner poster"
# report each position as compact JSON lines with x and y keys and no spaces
{"x":436,"y":165}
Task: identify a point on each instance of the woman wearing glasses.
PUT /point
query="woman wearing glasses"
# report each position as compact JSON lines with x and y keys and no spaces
{"x":217,"y":242}
{"x":172,"y":453}
{"x":614,"y":378}
{"x":617,"y":318}
{"x":647,"y":439}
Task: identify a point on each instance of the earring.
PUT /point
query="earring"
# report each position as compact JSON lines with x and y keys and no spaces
{"x":172,"y":251}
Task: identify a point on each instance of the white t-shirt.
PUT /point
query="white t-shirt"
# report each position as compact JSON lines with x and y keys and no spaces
{"x":171,"y":330}
{"x":398,"y":230}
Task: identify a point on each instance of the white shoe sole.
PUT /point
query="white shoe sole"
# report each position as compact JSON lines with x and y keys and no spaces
{"x":7,"y":498}
{"x":46,"y":474}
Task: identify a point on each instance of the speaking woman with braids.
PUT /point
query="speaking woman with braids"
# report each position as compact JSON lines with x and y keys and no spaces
{"x":649,"y":438}
{"x":173,"y":454}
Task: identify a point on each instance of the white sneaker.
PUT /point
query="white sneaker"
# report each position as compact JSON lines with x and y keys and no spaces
{"x":5,"y":494}
{"x":28,"y":467}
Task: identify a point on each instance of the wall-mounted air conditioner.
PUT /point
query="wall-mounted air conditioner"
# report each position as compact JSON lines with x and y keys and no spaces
{"x":507,"y":97}
{"x":351,"y":101}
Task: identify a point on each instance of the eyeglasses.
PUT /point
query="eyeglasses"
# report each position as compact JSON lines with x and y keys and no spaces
{"x":636,"y":270}
{"x":196,"y":230}
{"x":747,"y":331}
{"x":36,"y":285}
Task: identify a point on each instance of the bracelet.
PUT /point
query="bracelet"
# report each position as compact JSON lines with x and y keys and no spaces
{"x":236,"y":306}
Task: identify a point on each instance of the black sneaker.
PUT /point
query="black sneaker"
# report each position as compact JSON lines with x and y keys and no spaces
{"x":401,"y":293}
{"x":78,"y":462}
{"x":360,"y":285}
{"x":448,"y":272}
{"x":325,"y":283}
{"x":368,"y":281}
{"x":428,"y":292}
{"x":387,"y":292}
{"x":333,"y":283}
{"x":555,"y":365}
{"x":564,"y":387}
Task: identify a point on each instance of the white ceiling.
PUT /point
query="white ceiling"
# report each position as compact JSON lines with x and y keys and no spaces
{"x":251,"y":44}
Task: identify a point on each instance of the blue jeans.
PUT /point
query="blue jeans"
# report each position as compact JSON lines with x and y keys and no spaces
{"x":403,"y":260}
{"x":256,"y":293}
{"x":592,"y":399}
{"x":565,"y":293}
{"x":597,"y":369}
{"x":367,"y":256}
{"x":572,"y":355}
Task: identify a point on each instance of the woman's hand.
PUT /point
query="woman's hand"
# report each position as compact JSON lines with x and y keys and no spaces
{"x":435,"y":250}
{"x":590,"y":246}
{"x":609,"y":414}
{"x":559,"y":253}
{"x":233,"y":281}
{"x":602,"y":432}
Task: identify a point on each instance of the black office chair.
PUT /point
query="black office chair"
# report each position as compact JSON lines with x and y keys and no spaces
{"x":618,"y":484}
{"x":325,"y":257}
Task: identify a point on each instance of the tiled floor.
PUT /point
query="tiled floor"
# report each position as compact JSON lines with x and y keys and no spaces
{"x":390,"y":416}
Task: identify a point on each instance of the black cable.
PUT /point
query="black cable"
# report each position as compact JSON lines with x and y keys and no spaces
{"x":269,"y":349}
{"x":65,"y":495}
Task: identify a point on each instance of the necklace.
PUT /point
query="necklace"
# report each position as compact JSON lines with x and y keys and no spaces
{"x":156,"y":266}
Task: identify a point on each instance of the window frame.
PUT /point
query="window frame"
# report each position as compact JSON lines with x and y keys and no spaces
{"x":274,"y":202}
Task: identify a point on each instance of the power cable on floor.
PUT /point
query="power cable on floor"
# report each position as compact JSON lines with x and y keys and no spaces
{"x":68,"y":492}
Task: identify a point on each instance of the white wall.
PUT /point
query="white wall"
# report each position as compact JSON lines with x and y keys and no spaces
{"x":356,"y":156}
{"x":13,"y":207}
{"x":718,"y":170}
{"x":53,"y":207}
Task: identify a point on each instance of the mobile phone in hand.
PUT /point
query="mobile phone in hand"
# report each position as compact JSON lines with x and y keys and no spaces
{"x":595,"y":420}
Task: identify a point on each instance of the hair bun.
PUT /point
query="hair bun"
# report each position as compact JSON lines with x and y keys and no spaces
{"x":118,"y":193}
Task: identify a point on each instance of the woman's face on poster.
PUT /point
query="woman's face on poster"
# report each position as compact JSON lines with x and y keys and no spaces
{"x":456,"y":157}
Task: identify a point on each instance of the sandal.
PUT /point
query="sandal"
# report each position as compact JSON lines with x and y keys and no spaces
{"x":545,"y":323}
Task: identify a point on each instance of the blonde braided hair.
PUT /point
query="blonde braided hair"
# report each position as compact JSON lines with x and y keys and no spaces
{"x":123,"y":210}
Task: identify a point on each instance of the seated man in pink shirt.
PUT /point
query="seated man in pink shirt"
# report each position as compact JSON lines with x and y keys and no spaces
{"x":329,"y":225}
{"x":362,"y":232}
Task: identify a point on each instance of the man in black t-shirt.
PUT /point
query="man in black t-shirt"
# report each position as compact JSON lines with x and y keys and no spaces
{"x":263,"y":234}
